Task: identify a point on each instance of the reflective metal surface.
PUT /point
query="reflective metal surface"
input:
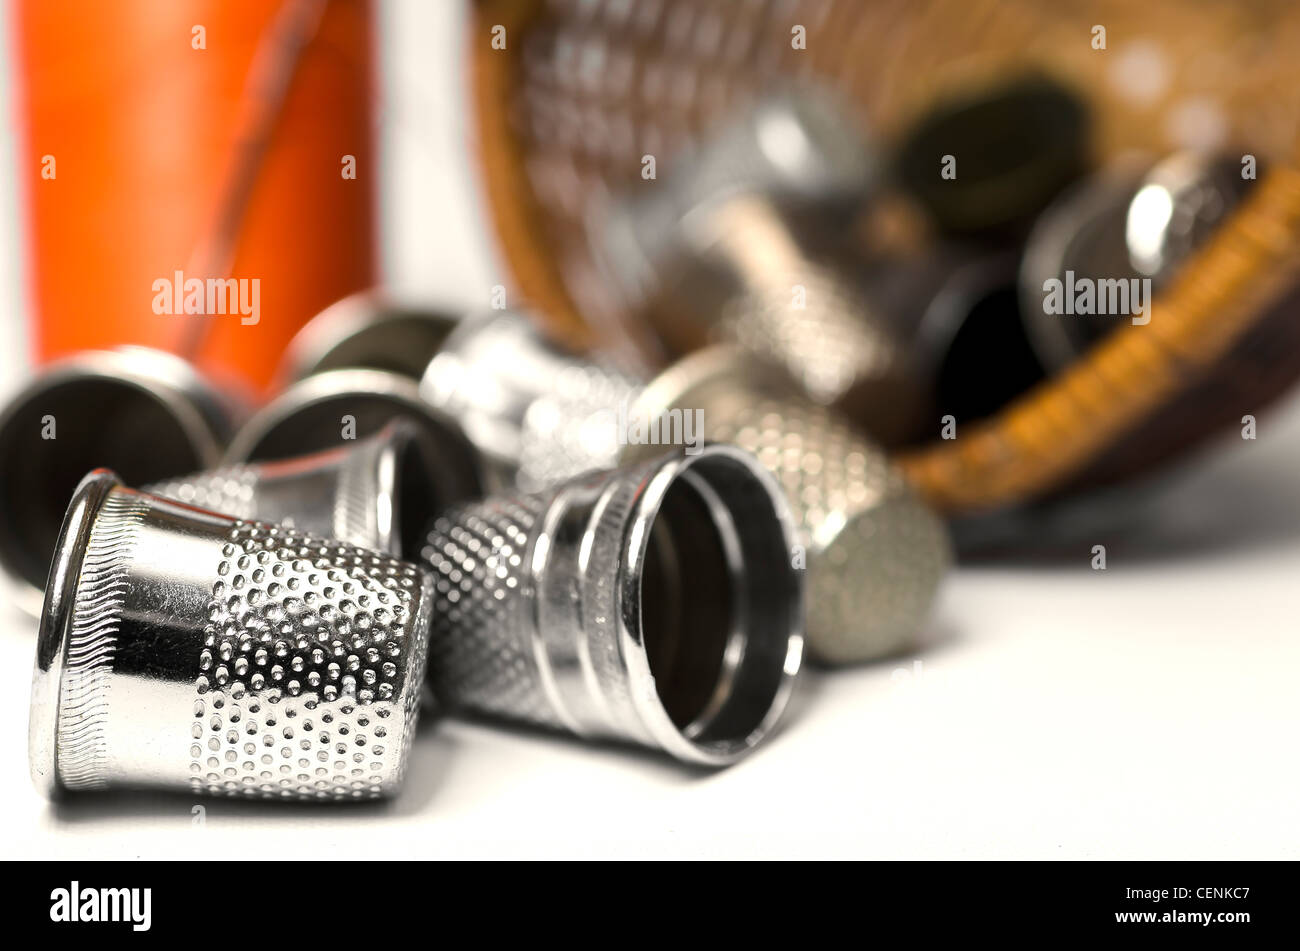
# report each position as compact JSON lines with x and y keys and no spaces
{"x":378,"y":493}
{"x":366,"y":330}
{"x":537,"y":412}
{"x":874,"y":553}
{"x":793,"y":146}
{"x":1178,"y":206}
{"x":654,"y":604}
{"x":145,"y":413}
{"x":1127,"y":223}
{"x":183,"y":649}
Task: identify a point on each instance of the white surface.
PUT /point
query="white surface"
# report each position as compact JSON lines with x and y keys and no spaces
{"x":1146,"y":711}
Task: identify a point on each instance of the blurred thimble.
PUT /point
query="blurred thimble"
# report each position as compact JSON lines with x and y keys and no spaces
{"x":973,"y":321}
{"x":378,"y":493}
{"x":184,"y":649}
{"x":145,"y":413}
{"x":654,"y":604}
{"x":330,"y":410}
{"x":366,"y":330}
{"x":875,"y":554}
{"x":795,"y":146}
{"x":1115,"y":230}
{"x":536,"y":412}
{"x":718,"y":251}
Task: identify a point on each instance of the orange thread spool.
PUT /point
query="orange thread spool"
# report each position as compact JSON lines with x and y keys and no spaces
{"x":146,"y":131}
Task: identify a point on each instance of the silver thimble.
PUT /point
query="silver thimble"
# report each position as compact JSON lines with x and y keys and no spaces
{"x":875,"y":553}
{"x":183,"y":649}
{"x":793,"y":145}
{"x":536,"y":412}
{"x":654,"y":604}
{"x":380,"y":493}
{"x":332,"y":409}
{"x":366,"y":330}
{"x":144,"y":413}
{"x":1122,"y":226}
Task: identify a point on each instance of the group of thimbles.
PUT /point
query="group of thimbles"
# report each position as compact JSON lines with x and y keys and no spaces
{"x":444,"y":501}
{"x":623,"y":550}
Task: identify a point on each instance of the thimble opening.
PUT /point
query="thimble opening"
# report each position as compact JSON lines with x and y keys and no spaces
{"x":417,"y":494}
{"x":58,"y":433}
{"x":398,"y":342}
{"x":720,"y":604}
{"x":326,"y":423}
{"x":990,"y":333}
{"x":687,"y":607}
{"x":334,"y":409}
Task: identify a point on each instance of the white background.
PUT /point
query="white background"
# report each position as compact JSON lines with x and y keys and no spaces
{"x":1147,"y":711}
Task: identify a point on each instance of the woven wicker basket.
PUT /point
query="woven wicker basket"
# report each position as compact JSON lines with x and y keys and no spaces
{"x":583,"y":88}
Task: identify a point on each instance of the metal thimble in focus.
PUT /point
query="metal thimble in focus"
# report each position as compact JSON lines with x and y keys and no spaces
{"x":146,"y":414}
{"x":184,"y":649}
{"x":330,"y":410}
{"x":654,"y":604}
{"x":720,"y":251}
{"x":875,"y":552}
{"x":366,"y":330}
{"x":378,"y":493}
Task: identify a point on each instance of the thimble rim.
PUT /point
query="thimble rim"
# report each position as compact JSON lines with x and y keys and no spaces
{"x":402,"y":440}
{"x":1049,"y":242}
{"x":649,"y":706}
{"x":459,"y":460}
{"x":318,"y":339}
{"x":56,"y":623}
{"x":199,"y":412}
{"x":677,"y":385}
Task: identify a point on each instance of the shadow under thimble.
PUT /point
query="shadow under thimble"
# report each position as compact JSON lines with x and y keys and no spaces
{"x":653,"y":604}
{"x":184,"y":649}
{"x":379,"y":492}
{"x":142,"y":412}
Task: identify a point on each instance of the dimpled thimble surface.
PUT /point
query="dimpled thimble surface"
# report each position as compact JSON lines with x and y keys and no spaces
{"x":185,"y":649}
